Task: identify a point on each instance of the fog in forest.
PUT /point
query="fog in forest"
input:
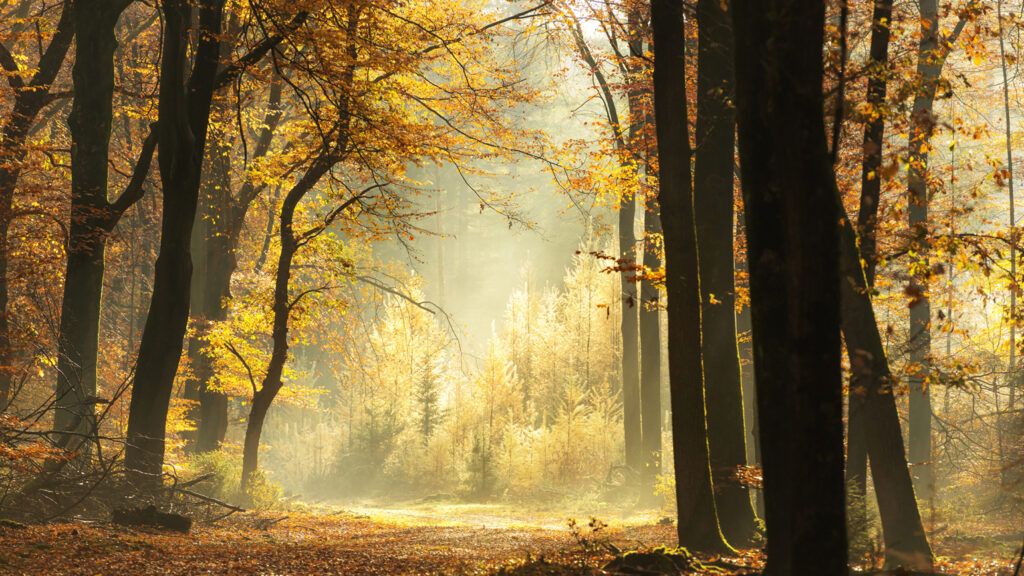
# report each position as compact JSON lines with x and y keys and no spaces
{"x":510,"y":287}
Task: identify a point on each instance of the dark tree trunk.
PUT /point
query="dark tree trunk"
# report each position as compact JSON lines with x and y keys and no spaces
{"x":92,"y":217}
{"x":906,"y":544}
{"x":867,"y":225}
{"x":713,"y":209}
{"x":793,"y":256}
{"x":30,"y":97}
{"x":213,"y":264}
{"x":698,"y":526}
{"x":650,"y":352}
{"x":183,"y":120}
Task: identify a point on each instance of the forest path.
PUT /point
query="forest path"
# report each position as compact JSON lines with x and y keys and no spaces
{"x":489,"y":515}
{"x":396,"y":542}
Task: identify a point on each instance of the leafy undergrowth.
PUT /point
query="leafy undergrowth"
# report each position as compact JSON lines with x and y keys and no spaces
{"x":355,"y":543}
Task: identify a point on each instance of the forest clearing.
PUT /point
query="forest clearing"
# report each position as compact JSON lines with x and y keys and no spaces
{"x":511,"y":287}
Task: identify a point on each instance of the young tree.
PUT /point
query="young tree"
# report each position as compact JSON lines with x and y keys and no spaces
{"x":624,"y":137}
{"x":650,"y":347}
{"x":793,"y":255}
{"x":698,"y":527}
{"x":933,"y":50}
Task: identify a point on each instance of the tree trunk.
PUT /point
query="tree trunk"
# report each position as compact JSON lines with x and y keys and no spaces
{"x":698,"y":526}
{"x":713,"y":208}
{"x":931,"y":58}
{"x":253,"y":430}
{"x":91,"y":218}
{"x":282,"y":306}
{"x":906,"y":544}
{"x":183,"y":120}
{"x":631,"y":417}
{"x":793,"y":256}
{"x":213,"y":265}
{"x":212,"y":417}
{"x":650,"y":352}
{"x":867,"y":225}
{"x":29,"y":100}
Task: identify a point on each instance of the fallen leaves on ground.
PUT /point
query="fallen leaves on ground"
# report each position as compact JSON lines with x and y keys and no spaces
{"x":342,"y":543}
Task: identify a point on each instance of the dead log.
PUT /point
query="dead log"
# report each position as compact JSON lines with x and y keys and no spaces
{"x":152,"y":517}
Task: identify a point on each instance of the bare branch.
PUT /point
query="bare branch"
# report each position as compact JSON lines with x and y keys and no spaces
{"x":252,"y":379}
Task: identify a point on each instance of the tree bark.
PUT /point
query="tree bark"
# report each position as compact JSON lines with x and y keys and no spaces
{"x":793,"y":256}
{"x":698,"y":526}
{"x":184,"y":112}
{"x":713,"y":209}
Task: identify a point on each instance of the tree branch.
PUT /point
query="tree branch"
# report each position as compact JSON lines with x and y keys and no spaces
{"x":252,"y":379}
{"x":232,"y":71}
{"x":10,"y":66}
{"x":134,"y":191}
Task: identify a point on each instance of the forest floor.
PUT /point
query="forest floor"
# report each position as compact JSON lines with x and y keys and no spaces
{"x":419,"y":539}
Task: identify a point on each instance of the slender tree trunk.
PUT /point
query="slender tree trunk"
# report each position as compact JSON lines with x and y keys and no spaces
{"x":183,"y":120}
{"x":630,"y":368}
{"x":282,"y":307}
{"x":906,"y":544}
{"x":283,"y":302}
{"x":1011,"y":372}
{"x":793,"y":256}
{"x":212,"y":419}
{"x":746,"y":348}
{"x":650,"y":351}
{"x":30,"y":97}
{"x":713,"y":208}
{"x":867,"y":223}
{"x":698,"y":526}
{"x":211,"y":279}
{"x":931,"y":58}
{"x":631,"y":417}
